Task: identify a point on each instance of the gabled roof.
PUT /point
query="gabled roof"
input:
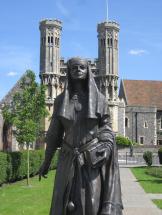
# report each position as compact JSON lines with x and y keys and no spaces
{"x":142,"y":93}
{"x":8,"y":97}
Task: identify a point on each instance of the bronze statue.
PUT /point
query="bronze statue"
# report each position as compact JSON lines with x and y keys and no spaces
{"x":87,"y":179}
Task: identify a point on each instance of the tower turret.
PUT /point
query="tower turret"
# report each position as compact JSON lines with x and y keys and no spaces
{"x":108,"y":65}
{"x":50,"y":36}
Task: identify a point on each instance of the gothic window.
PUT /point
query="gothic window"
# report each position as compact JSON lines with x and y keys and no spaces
{"x":126,"y":122}
{"x":111,"y":42}
{"x":108,"y":41}
{"x":48,"y":39}
{"x":145,"y":124}
{"x":51,"y":39}
{"x":58,"y":41}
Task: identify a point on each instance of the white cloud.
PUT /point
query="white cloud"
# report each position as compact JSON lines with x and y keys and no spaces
{"x":12,"y":74}
{"x":138,"y":52}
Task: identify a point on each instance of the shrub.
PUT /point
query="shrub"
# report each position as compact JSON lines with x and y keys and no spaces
{"x":160,"y":155}
{"x":123,"y":141}
{"x":147,"y":156}
{"x":3,"y":167}
{"x":13,"y":165}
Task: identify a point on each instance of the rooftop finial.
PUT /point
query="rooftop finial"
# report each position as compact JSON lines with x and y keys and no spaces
{"x":107,"y":11}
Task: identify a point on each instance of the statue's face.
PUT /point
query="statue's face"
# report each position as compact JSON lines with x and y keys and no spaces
{"x":78,"y":69}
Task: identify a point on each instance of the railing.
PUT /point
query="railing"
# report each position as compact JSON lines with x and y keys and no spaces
{"x":136,"y":159}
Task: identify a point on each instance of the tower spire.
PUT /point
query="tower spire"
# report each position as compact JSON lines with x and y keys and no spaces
{"x":107,"y":11}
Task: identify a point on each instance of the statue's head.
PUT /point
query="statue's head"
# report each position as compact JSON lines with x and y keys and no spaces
{"x":77,"y":68}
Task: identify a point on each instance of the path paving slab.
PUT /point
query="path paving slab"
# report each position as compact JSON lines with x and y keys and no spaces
{"x":135,"y":200}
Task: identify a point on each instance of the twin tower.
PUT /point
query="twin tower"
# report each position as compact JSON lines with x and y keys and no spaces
{"x":105,"y":69}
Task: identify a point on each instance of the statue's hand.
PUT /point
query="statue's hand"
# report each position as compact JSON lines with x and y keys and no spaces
{"x":43,"y":171}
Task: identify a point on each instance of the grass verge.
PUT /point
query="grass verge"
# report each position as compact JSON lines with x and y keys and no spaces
{"x":19,"y":199}
{"x":150,"y":180}
{"x":158,"y":202}
{"x":151,"y":184}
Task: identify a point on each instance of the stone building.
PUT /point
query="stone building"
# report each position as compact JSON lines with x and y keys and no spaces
{"x":7,"y":139}
{"x":143,"y":110}
{"x":135,"y":113}
{"x":105,"y":68}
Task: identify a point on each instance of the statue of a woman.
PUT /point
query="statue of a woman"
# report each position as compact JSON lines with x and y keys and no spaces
{"x":87,"y":179}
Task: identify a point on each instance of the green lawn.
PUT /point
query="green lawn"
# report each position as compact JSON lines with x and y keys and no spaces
{"x":18,"y":199}
{"x":151,"y":184}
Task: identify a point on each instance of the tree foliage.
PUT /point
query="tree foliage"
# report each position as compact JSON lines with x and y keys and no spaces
{"x":26,"y":110}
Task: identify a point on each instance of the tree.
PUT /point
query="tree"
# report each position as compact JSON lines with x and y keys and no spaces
{"x":26,"y":111}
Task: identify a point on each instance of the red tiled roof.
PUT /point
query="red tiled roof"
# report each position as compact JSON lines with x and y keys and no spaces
{"x":143,"y":93}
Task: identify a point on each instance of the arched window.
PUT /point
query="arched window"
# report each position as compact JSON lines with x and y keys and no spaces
{"x":48,"y":39}
{"x":108,"y":41}
{"x":126,"y":122}
{"x":51,"y":39}
{"x":111,"y":41}
{"x":57,"y":41}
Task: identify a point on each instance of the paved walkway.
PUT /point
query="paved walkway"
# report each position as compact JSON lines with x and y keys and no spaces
{"x":135,"y":200}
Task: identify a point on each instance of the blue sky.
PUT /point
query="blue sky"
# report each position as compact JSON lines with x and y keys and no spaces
{"x":140,"y":53}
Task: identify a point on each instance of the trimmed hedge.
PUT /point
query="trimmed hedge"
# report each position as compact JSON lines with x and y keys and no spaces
{"x":3,"y":167}
{"x":123,"y":141}
{"x":13,"y":165}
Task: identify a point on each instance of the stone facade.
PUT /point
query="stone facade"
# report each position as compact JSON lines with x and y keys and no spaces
{"x":159,"y":127}
{"x":143,"y":110}
{"x":140,"y":125}
{"x":121,"y":118}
